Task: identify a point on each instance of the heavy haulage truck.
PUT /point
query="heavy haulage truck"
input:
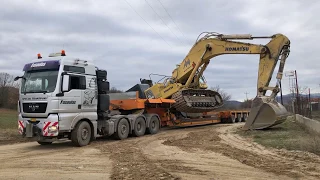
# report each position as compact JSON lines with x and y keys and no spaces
{"x":65,"y":97}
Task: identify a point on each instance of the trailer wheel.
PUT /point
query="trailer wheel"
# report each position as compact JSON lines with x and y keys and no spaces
{"x":238,"y":119}
{"x":122,"y":129}
{"x":81,"y":134}
{"x":244,"y":119}
{"x":153,"y":125}
{"x":44,"y":143}
{"x":232,"y":119}
{"x":139,"y":127}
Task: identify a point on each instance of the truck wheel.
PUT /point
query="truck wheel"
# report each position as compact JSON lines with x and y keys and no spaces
{"x":44,"y":143}
{"x":222,"y":120}
{"x":153,"y":125}
{"x":139,"y":127}
{"x":81,"y":134}
{"x":122,"y":129}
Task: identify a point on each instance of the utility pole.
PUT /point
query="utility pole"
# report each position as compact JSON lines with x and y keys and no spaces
{"x":310,"y":110}
{"x":246,"y":95}
{"x":297,"y":88}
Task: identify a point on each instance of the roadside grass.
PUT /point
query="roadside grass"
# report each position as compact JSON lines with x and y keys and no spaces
{"x":288,"y":135}
{"x":8,"y":119}
{"x":316,"y":115}
{"x":9,"y":127}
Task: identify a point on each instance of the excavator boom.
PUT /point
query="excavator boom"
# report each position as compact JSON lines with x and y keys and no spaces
{"x":186,"y":88}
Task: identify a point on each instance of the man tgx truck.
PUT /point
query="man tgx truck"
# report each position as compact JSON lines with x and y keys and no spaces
{"x":65,"y":97}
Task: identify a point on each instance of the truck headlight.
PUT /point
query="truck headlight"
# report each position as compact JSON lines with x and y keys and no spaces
{"x":52,"y":129}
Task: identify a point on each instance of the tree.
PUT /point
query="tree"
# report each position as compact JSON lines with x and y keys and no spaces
{"x":5,"y":79}
{"x":225,"y":96}
{"x":115,"y":90}
{"x":8,"y":91}
{"x":246,"y":103}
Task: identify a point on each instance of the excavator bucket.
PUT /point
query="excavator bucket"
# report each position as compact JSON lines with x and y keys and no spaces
{"x":265,"y":112}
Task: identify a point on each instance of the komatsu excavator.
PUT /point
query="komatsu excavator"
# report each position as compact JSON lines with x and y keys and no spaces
{"x":187,"y":85}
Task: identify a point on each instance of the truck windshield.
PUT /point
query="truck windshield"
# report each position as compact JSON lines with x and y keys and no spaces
{"x":39,"y":81}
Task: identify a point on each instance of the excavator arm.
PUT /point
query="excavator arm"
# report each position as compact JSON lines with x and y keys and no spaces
{"x":185,"y":87}
{"x":188,"y":73}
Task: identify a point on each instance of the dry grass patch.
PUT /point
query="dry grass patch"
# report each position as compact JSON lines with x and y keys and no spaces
{"x":288,"y":135}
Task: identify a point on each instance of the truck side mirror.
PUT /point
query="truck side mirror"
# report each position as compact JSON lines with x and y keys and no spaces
{"x":16,"y":78}
{"x":65,"y":83}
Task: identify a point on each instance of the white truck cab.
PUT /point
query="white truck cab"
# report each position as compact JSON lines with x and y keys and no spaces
{"x":65,"y":97}
{"x":56,"y":93}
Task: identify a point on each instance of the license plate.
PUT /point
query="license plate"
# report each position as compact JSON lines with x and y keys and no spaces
{"x":33,"y":119}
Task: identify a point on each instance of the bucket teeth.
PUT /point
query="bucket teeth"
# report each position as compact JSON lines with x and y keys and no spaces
{"x":196,"y":101}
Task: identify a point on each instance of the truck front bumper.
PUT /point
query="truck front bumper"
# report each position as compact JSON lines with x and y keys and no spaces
{"x":41,"y":127}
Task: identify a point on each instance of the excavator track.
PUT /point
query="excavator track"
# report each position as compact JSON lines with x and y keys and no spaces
{"x":196,"y":101}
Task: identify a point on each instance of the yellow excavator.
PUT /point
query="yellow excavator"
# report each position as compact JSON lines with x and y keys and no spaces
{"x":188,"y":88}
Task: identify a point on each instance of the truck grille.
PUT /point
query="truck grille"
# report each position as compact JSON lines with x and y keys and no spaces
{"x":34,"y":107}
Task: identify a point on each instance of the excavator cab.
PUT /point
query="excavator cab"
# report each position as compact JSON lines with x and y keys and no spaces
{"x":203,"y":83}
{"x":146,"y":81}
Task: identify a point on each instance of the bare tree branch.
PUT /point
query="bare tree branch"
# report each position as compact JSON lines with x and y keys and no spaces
{"x":225,"y":96}
{"x":8,"y":91}
{"x":115,"y":90}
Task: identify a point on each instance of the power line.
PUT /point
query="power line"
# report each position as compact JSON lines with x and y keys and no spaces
{"x":163,"y":21}
{"x":171,"y":18}
{"x":147,"y":23}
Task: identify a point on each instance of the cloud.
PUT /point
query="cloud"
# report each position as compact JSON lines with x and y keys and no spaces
{"x":113,"y":35}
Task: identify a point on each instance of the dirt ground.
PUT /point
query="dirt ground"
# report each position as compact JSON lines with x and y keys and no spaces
{"x":206,"y":152}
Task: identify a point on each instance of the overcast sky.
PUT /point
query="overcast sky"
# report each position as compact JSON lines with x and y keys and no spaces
{"x":134,"y":38}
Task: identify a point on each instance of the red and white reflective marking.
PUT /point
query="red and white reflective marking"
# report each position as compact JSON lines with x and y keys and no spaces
{"x":45,"y":128}
{"x":20,"y":127}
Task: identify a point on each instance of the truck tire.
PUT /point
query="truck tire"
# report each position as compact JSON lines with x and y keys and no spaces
{"x":81,"y":134}
{"x":44,"y":143}
{"x":222,"y":120}
{"x":123,"y":129}
{"x":139,"y":127}
{"x":153,"y":125}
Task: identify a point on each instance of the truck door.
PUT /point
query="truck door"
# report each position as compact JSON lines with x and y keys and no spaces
{"x":72,"y":100}
{"x":70,"y":104}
